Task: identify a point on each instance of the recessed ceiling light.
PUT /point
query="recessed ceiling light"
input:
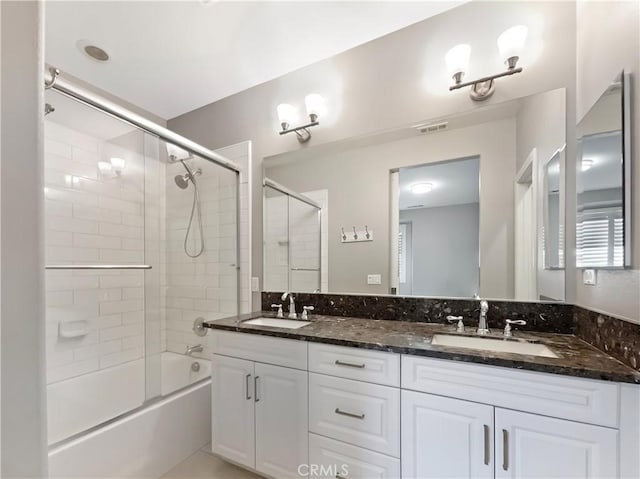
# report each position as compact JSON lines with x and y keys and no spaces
{"x":421,"y":188}
{"x":587,"y":163}
{"x":96,"y":53}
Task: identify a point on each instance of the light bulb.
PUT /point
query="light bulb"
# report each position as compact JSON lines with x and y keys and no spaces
{"x":421,"y":188}
{"x":117,"y":164}
{"x":586,"y":164}
{"x":176,"y":153}
{"x":104,"y":167}
{"x":457,"y":60}
{"x":286,"y":114}
{"x":314,"y":104}
{"x":511,"y":43}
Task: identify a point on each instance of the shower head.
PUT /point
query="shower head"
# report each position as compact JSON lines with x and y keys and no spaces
{"x":182,"y":181}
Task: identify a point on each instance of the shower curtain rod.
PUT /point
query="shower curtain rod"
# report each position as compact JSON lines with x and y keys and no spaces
{"x":288,"y":192}
{"x":96,"y":101}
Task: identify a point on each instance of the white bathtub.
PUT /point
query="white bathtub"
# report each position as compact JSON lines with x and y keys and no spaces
{"x":147,"y":440}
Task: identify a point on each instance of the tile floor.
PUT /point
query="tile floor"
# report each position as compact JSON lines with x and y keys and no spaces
{"x":203,"y":465}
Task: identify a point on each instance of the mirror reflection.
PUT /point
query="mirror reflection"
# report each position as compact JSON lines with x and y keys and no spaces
{"x":603,"y":210}
{"x":455,"y":207}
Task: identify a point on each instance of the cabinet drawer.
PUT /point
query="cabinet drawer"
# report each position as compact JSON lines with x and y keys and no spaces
{"x":353,"y":363}
{"x":263,"y":349}
{"x":333,"y":459}
{"x":362,"y":414}
{"x":583,"y":400}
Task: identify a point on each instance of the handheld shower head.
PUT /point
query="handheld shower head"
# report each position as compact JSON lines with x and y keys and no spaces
{"x":182,"y":181}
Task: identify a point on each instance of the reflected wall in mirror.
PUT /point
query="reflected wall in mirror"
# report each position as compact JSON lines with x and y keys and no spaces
{"x":513,"y":146}
{"x":438,"y":219}
{"x":604,"y":166}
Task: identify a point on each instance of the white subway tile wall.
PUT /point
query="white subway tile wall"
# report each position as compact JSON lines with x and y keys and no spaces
{"x":93,"y":218}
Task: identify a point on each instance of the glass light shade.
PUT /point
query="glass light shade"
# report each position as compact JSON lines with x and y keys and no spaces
{"x":511,"y":42}
{"x":117,"y":164}
{"x":586,"y":164}
{"x":104,"y":167}
{"x":314,"y":103}
{"x":457,"y":59}
{"x":176,"y":152}
{"x":286,"y":113}
{"x":421,"y":188}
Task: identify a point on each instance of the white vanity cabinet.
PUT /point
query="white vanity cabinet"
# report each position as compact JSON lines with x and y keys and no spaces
{"x":444,"y":437}
{"x":260,"y":411}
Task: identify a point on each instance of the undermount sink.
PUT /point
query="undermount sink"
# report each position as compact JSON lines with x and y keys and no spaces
{"x":493,"y":344}
{"x":278,"y":323}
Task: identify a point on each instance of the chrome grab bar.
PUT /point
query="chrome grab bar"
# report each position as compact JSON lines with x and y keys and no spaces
{"x":98,"y":266}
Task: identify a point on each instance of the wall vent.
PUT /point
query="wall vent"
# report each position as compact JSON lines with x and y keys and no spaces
{"x":432,"y":127}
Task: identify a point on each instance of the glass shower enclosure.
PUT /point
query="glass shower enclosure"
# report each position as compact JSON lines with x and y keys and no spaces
{"x":141,"y":242}
{"x":292,"y":240}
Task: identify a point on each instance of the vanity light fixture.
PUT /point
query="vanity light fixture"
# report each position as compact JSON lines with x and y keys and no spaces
{"x":421,"y":188}
{"x":586,"y":164}
{"x":287,"y":114}
{"x":510,"y":44}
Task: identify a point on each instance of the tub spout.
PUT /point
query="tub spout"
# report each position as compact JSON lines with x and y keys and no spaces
{"x":193,"y":349}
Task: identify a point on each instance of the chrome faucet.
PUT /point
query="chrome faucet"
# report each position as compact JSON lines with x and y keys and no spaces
{"x":292,"y":305}
{"x":482,"y":324}
{"x":194,"y":349}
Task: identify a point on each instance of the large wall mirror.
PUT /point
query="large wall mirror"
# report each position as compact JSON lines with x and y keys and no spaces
{"x":464,"y":206}
{"x":603,"y":236}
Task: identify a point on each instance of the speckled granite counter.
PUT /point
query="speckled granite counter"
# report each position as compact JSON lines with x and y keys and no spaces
{"x":576,"y":357}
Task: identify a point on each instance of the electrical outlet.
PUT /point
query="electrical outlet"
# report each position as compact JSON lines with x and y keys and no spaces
{"x":589,"y":277}
{"x":374,"y":279}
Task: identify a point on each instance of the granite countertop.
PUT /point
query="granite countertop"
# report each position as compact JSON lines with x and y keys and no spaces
{"x":576,"y":357}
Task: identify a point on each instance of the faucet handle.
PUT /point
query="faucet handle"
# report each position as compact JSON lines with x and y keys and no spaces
{"x":509,"y":322}
{"x":279,"y":314}
{"x":460,"y":326}
{"x":305,"y":309}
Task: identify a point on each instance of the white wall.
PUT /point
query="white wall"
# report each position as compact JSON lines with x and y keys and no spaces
{"x":22,"y":350}
{"x":445,"y":251}
{"x":607,"y":42}
{"x":358,"y":184}
{"x":396,"y":80}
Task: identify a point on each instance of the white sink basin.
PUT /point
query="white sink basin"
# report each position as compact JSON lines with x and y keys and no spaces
{"x":491,"y":344}
{"x":278,"y":323}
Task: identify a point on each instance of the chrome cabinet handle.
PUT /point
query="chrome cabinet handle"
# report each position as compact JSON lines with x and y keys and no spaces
{"x":247,"y":395}
{"x":487,"y":452}
{"x":255,"y":388}
{"x":350,"y":414}
{"x":505,"y":450}
{"x":338,"y":476}
{"x":350,"y":365}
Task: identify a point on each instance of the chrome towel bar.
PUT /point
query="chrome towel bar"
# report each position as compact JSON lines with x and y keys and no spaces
{"x":98,"y":266}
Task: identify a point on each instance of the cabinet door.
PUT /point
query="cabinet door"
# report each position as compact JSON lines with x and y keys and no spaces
{"x":281,"y":405}
{"x":232,"y":409}
{"x":445,"y":438}
{"x":531,"y":446}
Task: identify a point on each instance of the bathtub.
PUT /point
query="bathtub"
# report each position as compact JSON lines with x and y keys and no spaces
{"x":126,"y":437}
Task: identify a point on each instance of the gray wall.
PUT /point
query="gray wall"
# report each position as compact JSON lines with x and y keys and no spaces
{"x":540,"y":124}
{"x":396,"y":80}
{"x":607,"y":42}
{"x":22,"y":347}
{"x":359,"y":189}
{"x":445,"y":250}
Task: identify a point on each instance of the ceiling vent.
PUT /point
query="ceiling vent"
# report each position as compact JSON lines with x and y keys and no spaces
{"x":432,"y":127}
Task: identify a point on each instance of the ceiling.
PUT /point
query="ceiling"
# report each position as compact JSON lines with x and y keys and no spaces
{"x":454,"y":183}
{"x":170,"y":57}
{"x":605,"y":151}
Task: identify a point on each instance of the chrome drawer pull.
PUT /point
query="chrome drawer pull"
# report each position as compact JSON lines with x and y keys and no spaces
{"x":487,"y":457}
{"x":505,"y":449}
{"x":351,"y":365}
{"x":338,"y":476}
{"x":350,"y":414}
